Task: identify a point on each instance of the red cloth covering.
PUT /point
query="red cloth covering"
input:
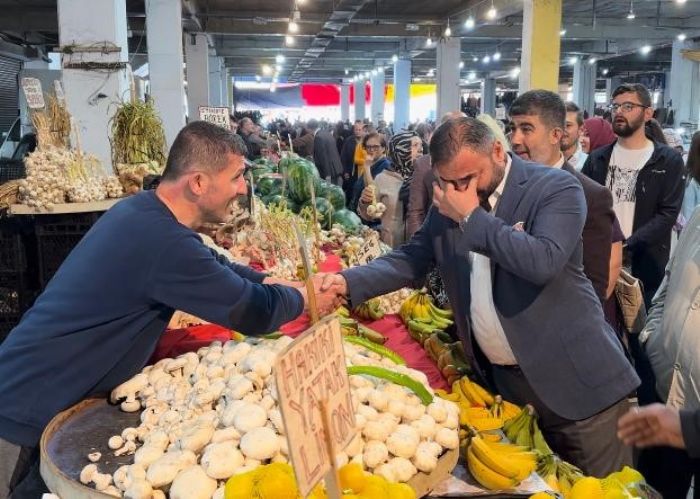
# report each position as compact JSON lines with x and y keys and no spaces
{"x":177,"y":341}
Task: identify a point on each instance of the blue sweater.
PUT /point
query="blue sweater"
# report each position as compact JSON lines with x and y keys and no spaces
{"x":100,"y":317}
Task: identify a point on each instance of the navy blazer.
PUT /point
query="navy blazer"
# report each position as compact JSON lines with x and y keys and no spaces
{"x":549,"y":311}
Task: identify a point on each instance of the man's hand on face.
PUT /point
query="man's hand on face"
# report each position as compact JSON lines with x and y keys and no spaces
{"x":456,"y":204}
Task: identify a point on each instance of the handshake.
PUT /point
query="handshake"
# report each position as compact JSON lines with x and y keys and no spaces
{"x":331,"y":292}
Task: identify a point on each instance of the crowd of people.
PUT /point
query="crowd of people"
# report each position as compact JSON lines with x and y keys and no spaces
{"x":530,"y":229}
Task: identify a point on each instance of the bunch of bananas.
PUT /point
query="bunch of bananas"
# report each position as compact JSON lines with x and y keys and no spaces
{"x":559,"y":475}
{"x":521,"y":430}
{"x":479,"y":411}
{"x":423,"y":317}
{"x":369,"y":311}
{"x":499,"y":466}
{"x":449,"y":356}
{"x":350,"y":327}
{"x":475,"y":394}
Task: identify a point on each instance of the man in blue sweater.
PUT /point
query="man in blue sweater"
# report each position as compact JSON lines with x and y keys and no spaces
{"x":99,"y":319}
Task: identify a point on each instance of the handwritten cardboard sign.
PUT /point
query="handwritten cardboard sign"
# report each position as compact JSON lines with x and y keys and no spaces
{"x":33,"y":92}
{"x":370,"y":250}
{"x":216,"y":115}
{"x":311,"y":370}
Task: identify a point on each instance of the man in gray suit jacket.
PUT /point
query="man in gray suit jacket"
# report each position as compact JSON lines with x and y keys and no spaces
{"x":527,"y":315}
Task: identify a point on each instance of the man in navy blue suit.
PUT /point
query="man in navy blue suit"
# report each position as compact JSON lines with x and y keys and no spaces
{"x":506,"y":237}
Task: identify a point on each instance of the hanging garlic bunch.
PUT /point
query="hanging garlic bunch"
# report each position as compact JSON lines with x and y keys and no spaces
{"x":83,"y":190}
{"x":46,"y":182}
{"x":113,"y":186}
{"x":376,"y":209}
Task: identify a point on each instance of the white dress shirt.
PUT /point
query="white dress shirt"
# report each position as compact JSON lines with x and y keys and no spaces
{"x":486,"y":325}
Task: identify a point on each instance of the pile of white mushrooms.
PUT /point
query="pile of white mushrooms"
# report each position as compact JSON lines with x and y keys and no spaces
{"x":209,"y":415}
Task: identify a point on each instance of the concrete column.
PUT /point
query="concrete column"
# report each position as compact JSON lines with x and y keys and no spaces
{"x":344,"y":101}
{"x":215,"y":93}
{"x":685,"y":85}
{"x":90,"y":94}
{"x":229,"y":86}
{"x":377,"y":96}
{"x":541,"y":42}
{"x":447,"y":78}
{"x":402,"y":94}
{"x":610,"y":85}
{"x":584,"y":85}
{"x":197,"y":72}
{"x":360,"y":99}
{"x":167,"y":82}
{"x":488,"y":95}
{"x":223,"y":84}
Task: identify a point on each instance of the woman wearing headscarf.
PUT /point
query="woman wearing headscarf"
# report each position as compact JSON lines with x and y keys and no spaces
{"x":404,"y":148}
{"x":597,"y":132}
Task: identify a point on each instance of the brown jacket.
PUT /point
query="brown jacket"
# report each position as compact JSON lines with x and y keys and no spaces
{"x":420,"y":195}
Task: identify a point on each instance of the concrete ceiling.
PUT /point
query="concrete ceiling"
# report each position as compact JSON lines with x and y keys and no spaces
{"x":358,"y":35}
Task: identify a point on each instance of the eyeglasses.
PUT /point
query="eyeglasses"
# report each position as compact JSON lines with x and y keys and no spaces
{"x":372,"y":148}
{"x":626,"y":107}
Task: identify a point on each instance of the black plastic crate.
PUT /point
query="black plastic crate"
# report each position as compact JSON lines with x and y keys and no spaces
{"x":56,"y":236}
{"x":15,"y":297}
{"x":12,"y":255}
{"x":7,"y":323}
{"x":12,"y":169}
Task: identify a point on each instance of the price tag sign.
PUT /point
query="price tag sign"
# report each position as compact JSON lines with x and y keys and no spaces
{"x":58,"y":89}
{"x":33,"y":93}
{"x":216,"y":115}
{"x":310,"y":374}
{"x":369,"y":251}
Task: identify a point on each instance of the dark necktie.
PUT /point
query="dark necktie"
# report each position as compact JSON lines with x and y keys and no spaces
{"x":484,"y":203}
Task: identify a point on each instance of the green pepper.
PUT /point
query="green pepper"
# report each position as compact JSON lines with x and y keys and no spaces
{"x":397,"y":378}
{"x":374,"y":347}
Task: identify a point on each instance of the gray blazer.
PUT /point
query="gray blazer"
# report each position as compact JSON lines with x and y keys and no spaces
{"x":551,"y":316}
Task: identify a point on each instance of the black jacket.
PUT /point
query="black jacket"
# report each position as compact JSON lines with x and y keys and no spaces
{"x":597,"y":232}
{"x":326,"y":156}
{"x":659,"y":194}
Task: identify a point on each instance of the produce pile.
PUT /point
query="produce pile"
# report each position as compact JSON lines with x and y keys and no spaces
{"x":56,"y":175}
{"x":211,"y":415}
{"x":138,"y":143}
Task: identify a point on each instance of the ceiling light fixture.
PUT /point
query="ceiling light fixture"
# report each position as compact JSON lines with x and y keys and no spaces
{"x":681,"y":37}
{"x":448,"y":31}
{"x":515,"y":72}
{"x":486,"y":59}
{"x":461,"y":64}
{"x":289,"y":40}
{"x":681,"y":2}
{"x":394,"y":58}
{"x":497,"y":56}
{"x":573,"y":60}
{"x":475,"y":59}
{"x":279,"y":59}
{"x":605,"y":71}
{"x":471,"y":75}
{"x":380,"y":69}
{"x":293,"y":26}
{"x":492,"y":13}
{"x":428,"y":41}
{"x":645,"y":49}
{"x":470,"y":22}
{"x":347,"y":71}
{"x":562,"y":32}
{"x":630,"y":14}
{"x":266,"y":69}
{"x":592,"y":60}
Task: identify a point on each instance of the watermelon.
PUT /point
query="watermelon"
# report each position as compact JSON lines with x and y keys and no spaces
{"x":286,"y":161}
{"x":299,"y":173}
{"x":277,"y":199}
{"x":269,"y":184}
{"x":348,"y":220}
{"x":334,"y":194}
{"x":324,"y":211}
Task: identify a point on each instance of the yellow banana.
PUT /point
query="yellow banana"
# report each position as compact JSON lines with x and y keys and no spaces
{"x":440,"y":312}
{"x":497,"y":462}
{"x":453,"y":397}
{"x":485,"y":475}
{"x":486,"y":424}
{"x":484,"y":394}
{"x":473,"y":396}
{"x":490,"y":437}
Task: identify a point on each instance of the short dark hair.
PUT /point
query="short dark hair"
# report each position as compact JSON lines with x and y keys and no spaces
{"x":312,"y":124}
{"x":634,"y":88}
{"x":543,"y":103}
{"x":571,"y":107}
{"x":374,"y":135}
{"x":457,"y":133}
{"x":204,"y":145}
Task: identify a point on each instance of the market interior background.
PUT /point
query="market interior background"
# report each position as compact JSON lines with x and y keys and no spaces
{"x":300,"y":59}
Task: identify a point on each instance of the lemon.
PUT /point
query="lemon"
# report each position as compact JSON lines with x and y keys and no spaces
{"x":587,"y":488}
{"x":540,"y":495}
{"x":240,"y":486}
{"x":401,"y":491}
{"x":352,"y":477}
{"x":375,"y":488}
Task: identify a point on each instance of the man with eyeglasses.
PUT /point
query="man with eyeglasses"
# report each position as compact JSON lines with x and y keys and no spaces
{"x":646,"y":181}
{"x":527,"y":316}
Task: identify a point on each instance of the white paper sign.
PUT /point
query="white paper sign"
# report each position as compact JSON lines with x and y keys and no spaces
{"x":33,"y":93}
{"x":216,"y":115}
